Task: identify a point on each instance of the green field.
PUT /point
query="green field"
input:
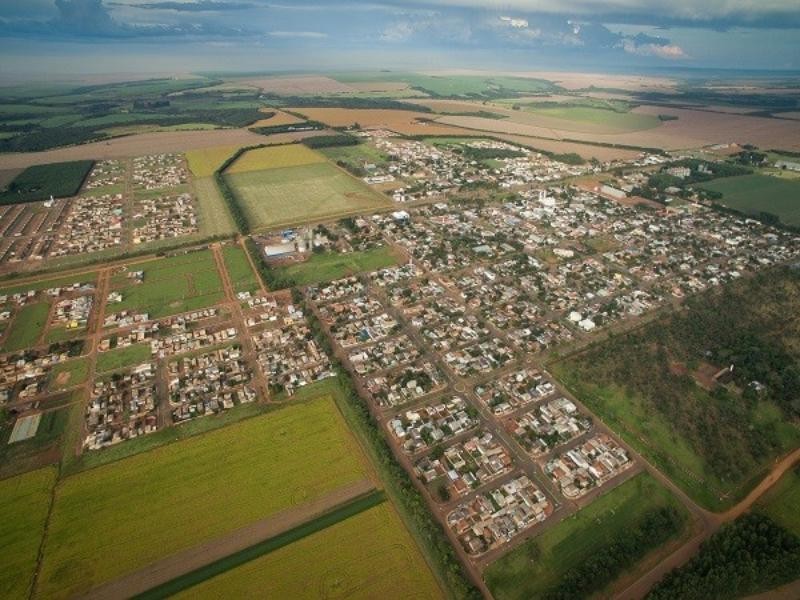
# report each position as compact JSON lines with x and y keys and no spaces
{"x":44,"y":283}
{"x":611,"y":120}
{"x":330,"y":266}
{"x":456,"y":85}
{"x":754,"y":194}
{"x":782,"y":502}
{"x":172,"y":285}
{"x":354,"y":157}
{"x":532,"y":569}
{"x":26,"y":502}
{"x":28,"y":324}
{"x":120,"y":358}
{"x":183,"y":494}
{"x":240,"y":272}
{"x":383,"y":564}
{"x":295,"y":195}
{"x":39,"y":182}
{"x":69,"y":373}
{"x":214,"y":218}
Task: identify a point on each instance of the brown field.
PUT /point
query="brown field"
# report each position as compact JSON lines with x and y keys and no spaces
{"x":298,"y":86}
{"x":601,"y":153}
{"x":379,"y":86}
{"x":402,"y":121}
{"x":279,"y":118}
{"x":150,"y":143}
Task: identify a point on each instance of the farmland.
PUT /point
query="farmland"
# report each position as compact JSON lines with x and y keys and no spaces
{"x":59,"y":180}
{"x":86,"y":520}
{"x":756,"y":194}
{"x":26,"y":501}
{"x":384,"y":564}
{"x":275,"y":157}
{"x":330,"y":266}
{"x":781,"y":502}
{"x":27,"y":326}
{"x":172,"y":285}
{"x":536,"y":567}
{"x":293,"y":195}
{"x":214,"y":218}
{"x":713,"y":442}
{"x":204,"y":161}
{"x":592,"y":119}
{"x":405,"y":122}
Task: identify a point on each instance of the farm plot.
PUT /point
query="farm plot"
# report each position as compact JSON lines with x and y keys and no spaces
{"x":214,"y":218}
{"x":204,"y":161}
{"x":384,"y":564}
{"x":300,"y":194}
{"x":40,"y":182}
{"x":213,"y":489}
{"x":756,"y":194}
{"x":534,"y":569}
{"x":406,"y":122}
{"x":275,"y":157}
{"x":170,"y":286}
{"x":26,"y":501}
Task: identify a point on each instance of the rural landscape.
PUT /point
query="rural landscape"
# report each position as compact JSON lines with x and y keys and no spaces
{"x":367,"y":332}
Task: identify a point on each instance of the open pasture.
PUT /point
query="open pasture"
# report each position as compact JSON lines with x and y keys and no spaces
{"x":193,"y":491}
{"x":337,"y":562}
{"x":172,"y":285}
{"x":754,"y":194}
{"x":59,"y":180}
{"x":275,"y":157}
{"x":301,"y":194}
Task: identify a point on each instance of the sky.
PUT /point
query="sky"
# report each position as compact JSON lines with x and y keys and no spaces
{"x":58,"y":38}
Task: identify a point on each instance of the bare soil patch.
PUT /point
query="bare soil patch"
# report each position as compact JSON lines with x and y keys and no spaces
{"x":406,"y":122}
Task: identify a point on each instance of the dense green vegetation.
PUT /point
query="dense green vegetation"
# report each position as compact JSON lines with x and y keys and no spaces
{"x":750,"y":555}
{"x":782,"y":502}
{"x":343,"y":102}
{"x":458,"y":86}
{"x":60,"y":180}
{"x":331,"y":141}
{"x":760,"y":196}
{"x":288,"y":127}
{"x":713,"y":442}
{"x":586,"y":551}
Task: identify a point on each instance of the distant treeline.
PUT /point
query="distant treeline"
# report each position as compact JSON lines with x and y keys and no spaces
{"x":289,"y":128}
{"x":337,"y":102}
{"x":331,"y":141}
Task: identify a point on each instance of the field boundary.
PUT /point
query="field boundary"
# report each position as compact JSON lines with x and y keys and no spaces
{"x":358,"y":504}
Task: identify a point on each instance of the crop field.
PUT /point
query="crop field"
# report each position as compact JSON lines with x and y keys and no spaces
{"x":26,"y":501}
{"x":599,"y":120}
{"x":327,"y":267}
{"x":240,"y":272}
{"x":172,"y":285}
{"x":533,"y":569}
{"x":204,"y":161}
{"x":214,"y":218}
{"x":714,"y":444}
{"x":456,"y":85}
{"x":337,"y":562}
{"x":28,"y":324}
{"x":754,"y":194}
{"x":119,"y":358}
{"x":278,"y":118}
{"x":295,"y":195}
{"x":275,"y":157}
{"x":213,"y":486}
{"x":782,"y":501}
{"x":60,"y":180}
{"x":406,"y":122}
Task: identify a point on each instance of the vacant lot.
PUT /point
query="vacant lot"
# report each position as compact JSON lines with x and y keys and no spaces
{"x":176,"y":284}
{"x":534,"y":568}
{"x":26,"y":501}
{"x":754,"y":194}
{"x":337,"y":562}
{"x":44,"y":283}
{"x":240,"y":272}
{"x":28,"y":324}
{"x":69,"y":373}
{"x":60,"y":180}
{"x":119,"y":358}
{"x":715,"y":444}
{"x":327,"y":267}
{"x":781,"y":503}
{"x":157,"y":503}
{"x":275,"y":157}
{"x":294,"y":195}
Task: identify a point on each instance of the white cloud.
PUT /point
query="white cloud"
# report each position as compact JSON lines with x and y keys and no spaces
{"x":297,"y":34}
{"x":665,"y":51}
{"x":515,"y":23}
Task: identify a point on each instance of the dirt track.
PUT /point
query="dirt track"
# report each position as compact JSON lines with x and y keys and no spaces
{"x":183,"y":562}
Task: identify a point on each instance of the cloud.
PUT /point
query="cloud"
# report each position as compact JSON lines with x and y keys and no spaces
{"x":665,"y":51}
{"x":85,"y":17}
{"x":515,"y":23}
{"x":196,"y":6}
{"x":298,"y":34}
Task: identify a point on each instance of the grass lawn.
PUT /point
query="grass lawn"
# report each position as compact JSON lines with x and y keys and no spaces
{"x":330,"y":266}
{"x":172,"y":285}
{"x":383,"y":564}
{"x":68,"y":374}
{"x":26,"y":501}
{"x":300,"y":194}
{"x":240,"y":272}
{"x":568,"y":544}
{"x":782,"y":502}
{"x":28,"y":324}
{"x":754,"y":194}
{"x":47,"y":283}
{"x":114,"y":519}
{"x":275,"y":157}
{"x":119,"y":358}
{"x":204,"y":161}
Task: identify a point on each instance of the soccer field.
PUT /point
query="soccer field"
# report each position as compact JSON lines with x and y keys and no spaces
{"x":302,"y":194}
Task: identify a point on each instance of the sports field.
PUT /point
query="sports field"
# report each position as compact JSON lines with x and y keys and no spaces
{"x":782,"y":502}
{"x":119,"y":517}
{"x":28,"y":324}
{"x":25,"y":500}
{"x":299,"y":194}
{"x":754,"y":194}
{"x":275,"y":157}
{"x":334,"y":265}
{"x":171,"y":285}
{"x":239,"y":270}
{"x":532,"y":569}
{"x":369,"y":555}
